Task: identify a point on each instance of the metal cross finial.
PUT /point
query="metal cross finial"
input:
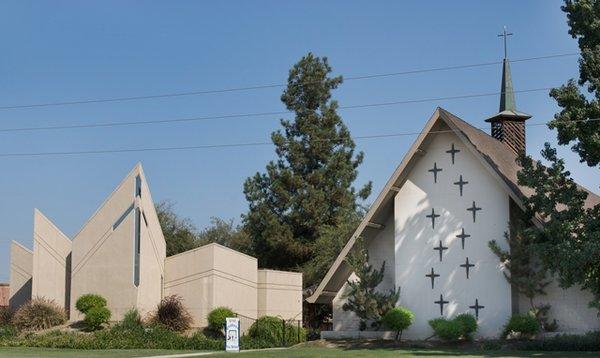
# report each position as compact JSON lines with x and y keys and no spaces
{"x":505,"y":35}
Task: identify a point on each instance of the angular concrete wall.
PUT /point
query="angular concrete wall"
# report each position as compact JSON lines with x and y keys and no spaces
{"x":51,"y":261}
{"x":4,"y":294}
{"x":212,"y":276}
{"x":104,"y":251}
{"x":280,"y":294}
{"x":21,"y":269}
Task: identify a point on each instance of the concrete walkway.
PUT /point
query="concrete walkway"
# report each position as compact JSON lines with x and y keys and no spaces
{"x":199,"y":354}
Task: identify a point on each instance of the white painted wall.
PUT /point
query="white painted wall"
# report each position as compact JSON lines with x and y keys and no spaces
{"x":415,"y":240}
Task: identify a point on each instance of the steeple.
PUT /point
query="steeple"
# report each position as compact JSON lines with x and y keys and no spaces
{"x":508,"y":125}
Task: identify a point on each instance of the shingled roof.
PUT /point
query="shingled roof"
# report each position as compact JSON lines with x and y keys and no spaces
{"x":494,"y":155}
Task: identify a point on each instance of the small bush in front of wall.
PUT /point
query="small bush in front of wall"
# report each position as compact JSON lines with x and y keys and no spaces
{"x":132,"y":320}
{"x":5,"y":316}
{"x":39,"y":313}
{"x":468,"y":324}
{"x":7,"y":331}
{"x":461,"y":327}
{"x":564,"y":342}
{"x":398,"y":319}
{"x":217,"y":317}
{"x":96,"y":317}
{"x":268,"y":331}
{"x":521,"y":326}
{"x":89,"y":301}
{"x":172,"y":314}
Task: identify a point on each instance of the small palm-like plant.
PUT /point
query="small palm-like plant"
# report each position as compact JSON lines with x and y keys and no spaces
{"x":172,"y":314}
{"x":39,"y":313}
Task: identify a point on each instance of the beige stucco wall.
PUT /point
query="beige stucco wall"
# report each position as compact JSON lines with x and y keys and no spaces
{"x":280,"y":294}
{"x":51,"y":261}
{"x":103,"y":253}
{"x":21,"y":268}
{"x":212,"y":276}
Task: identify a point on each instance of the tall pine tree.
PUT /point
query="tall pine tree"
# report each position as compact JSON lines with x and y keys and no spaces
{"x":569,"y":242}
{"x":308,"y":189}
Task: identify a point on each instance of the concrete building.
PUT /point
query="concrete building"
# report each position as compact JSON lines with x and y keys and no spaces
{"x":4,"y":294}
{"x":454,"y":191}
{"x":120,"y":253}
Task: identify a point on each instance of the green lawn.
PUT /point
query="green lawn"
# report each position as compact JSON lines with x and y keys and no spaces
{"x":292,"y":352}
{"x":72,"y":353}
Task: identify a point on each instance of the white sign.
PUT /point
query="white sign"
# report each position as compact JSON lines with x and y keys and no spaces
{"x":232,"y":334}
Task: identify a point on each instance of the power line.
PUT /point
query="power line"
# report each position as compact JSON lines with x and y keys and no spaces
{"x":231,"y":145}
{"x":256,"y":114}
{"x":272,"y":85}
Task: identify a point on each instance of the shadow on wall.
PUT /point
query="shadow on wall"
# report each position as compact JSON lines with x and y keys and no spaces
{"x":21,"y":296}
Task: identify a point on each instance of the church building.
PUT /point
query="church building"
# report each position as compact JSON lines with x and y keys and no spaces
{"x":455,"y":190}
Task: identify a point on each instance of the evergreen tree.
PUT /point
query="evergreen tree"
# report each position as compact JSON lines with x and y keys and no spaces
{"x":309,"y":187}
{"x":569,"y":242}
{"x":363,"y":298}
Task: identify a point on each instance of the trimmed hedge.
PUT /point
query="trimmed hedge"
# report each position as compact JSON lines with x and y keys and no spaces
{"x":268,"y":331}
{"x":89,"y":301}
{"x":96,"y":317}
{"x":564,"y":342}
{"x":524,"y":325}
{"x":398,"y":319}
{"x":217,"y":317}
{"x":462,"y":326}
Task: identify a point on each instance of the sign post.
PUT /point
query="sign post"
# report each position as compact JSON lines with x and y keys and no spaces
{"x":232,"y":334}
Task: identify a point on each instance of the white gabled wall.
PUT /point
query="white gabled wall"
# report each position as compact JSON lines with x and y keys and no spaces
{"x":415,"y":240}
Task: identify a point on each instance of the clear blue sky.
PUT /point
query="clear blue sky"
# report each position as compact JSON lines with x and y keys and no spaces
{"x":65,"y":50}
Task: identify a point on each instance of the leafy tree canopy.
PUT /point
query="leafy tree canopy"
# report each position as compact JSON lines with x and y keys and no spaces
{"x":308,"y":189}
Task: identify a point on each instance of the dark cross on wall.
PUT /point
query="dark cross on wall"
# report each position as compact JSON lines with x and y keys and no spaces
{"x":433,"y":216}
{"x":435,"y":170}
{"x":461,"y":183}
{"x":432,"y":275}
{"x":476,"y":307}
{"x":452,"y":151}
{"x":467,"y":266}
{"x":474,"y":209}
{"x":441,"y":249}
{"x":462,"y":236}
{"x":441,"y":302}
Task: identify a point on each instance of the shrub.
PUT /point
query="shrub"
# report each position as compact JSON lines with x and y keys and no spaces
{"x":5,"y":316}
{"x":564,"y":342}
{"x":522,"y":325}
{"x":172,"y":314}
{"x":7,"y":332}
{"x":131,"y":321}
{"x":449,"y":330}
{"x":39,"y":313}
{"x":267,"y":331}
{"x":217,"y":317}
{"x":96,"y":317}
{"x":468,"y":324}
{"x":89,"y":301}
{"x":398,"y":319}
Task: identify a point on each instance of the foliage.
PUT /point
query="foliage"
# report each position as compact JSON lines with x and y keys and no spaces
{"x":39,"y":313}
{"x":96,"y":317}
{"x":398,"y":319}
{"x":522,"y":262}
{"x":181,"y":235}
{"x":89,"y":301}
{"x":217,"y":318}
{"x":570,"y":236}
{"x":461,"y":327}
{"x":269,"y":331}
{"x":540,"y":313}
{"x":7,"y":332}
{"x":522,"y":325}
{"x":563,"y":342}
{"x":362,"y":297}
{"x":172,"y":314}
{"x":132,"y":320}
{"x":309,"y":186}
{"x":6,"y":315}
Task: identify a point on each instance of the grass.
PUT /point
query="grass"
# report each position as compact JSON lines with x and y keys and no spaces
{"x":25,"y":352}
{"x":292,"y":352}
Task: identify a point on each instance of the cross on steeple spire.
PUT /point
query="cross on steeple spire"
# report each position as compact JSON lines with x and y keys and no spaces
{"x":505,"y":35}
